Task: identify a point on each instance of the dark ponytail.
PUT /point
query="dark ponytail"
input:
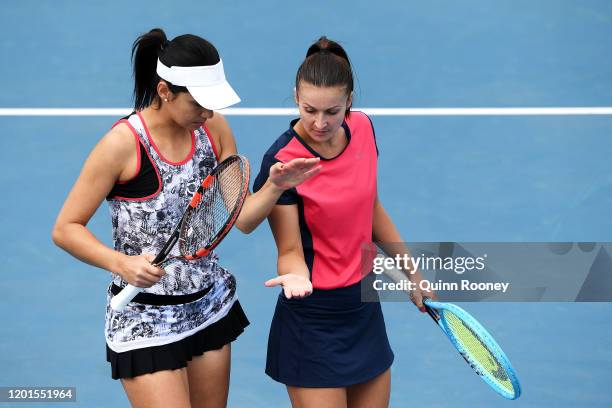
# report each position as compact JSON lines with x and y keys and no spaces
{"x":186,"y":51}
{"x":145,"y":51}
{"x":326,"y":64}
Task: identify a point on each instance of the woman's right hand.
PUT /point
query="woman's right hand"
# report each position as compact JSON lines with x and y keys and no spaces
{"x":294,"y":285}
{"x":288,"y":175}
{"x":139,"y":271}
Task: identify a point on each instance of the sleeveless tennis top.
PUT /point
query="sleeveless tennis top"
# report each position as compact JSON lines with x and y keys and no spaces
{"x":336,"y":206}
{"x":142,"y":221}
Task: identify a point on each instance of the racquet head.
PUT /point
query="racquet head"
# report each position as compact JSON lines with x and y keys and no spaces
{"x":477,"y":347}
{"x":214,"y":207}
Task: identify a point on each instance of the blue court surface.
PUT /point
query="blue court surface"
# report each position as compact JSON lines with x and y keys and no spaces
{"x":521,"y":178}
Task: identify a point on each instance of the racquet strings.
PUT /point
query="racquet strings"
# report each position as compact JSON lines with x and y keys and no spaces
{"x":478,"y":352}
{"x":218,"y":205}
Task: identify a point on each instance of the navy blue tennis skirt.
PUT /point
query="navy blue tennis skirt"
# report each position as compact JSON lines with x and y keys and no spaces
{"x":329,"y":339}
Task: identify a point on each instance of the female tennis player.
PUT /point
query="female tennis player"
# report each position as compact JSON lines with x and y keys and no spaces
{"x":170,"y":346}
{"x":327,"y":346}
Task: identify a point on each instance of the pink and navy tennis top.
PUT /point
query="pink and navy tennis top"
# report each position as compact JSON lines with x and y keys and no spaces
{"x":336,"y":206}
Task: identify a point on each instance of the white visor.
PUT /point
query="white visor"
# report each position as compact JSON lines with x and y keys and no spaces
{"x":206,"y":84}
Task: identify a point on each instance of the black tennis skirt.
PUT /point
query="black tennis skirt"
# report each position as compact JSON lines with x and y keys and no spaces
{"x":176,"y":355}
{"x":329,"y":339}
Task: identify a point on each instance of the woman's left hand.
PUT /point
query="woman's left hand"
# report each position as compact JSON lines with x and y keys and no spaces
{"x":294,"y":285}
{"x":288,"y":175}
{"x":418,"y":295}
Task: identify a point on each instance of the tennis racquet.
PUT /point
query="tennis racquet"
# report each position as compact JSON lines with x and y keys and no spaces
{"x":476,"y":346}
{"x":208,"y":218}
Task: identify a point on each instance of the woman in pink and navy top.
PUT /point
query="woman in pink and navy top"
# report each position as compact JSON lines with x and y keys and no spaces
{"x":327,"y":346}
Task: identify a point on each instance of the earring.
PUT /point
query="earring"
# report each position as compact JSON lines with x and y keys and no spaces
{"x":165,"y":99}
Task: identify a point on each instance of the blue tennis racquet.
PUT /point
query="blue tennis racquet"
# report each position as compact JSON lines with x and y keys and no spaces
{"x":476,"y":346}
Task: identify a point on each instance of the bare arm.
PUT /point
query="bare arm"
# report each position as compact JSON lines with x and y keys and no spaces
{"x":257,"y":206}
{"x":385,"y":234}
{"x":109,"y":161}
{"x":292,"y":269}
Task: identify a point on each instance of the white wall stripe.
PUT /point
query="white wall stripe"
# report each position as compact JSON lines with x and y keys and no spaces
{"x":546,"y":111}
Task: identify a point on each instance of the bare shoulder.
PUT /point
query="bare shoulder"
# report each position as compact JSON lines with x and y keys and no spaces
{"x":218,"y":122}
{"x":118,"y":143}
{"x":222,"y":135}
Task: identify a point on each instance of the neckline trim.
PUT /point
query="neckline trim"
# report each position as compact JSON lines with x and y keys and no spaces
{"x":159,"y":153}
{"x":347,"y":134}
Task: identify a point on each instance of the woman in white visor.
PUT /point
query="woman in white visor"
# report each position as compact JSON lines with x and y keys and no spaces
{"x":171,"y":345}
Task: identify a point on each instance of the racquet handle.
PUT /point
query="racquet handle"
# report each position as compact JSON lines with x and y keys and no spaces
{"x":121,"y":299}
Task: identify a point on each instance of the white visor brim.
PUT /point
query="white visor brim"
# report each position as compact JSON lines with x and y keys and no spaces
{"x":206,"y":84}
{"x":214,"y":97}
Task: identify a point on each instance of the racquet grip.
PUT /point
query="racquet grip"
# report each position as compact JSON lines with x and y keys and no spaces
{"x":119,"y":301}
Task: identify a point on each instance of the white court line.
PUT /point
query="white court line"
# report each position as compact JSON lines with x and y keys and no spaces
{"x":548,"y":111}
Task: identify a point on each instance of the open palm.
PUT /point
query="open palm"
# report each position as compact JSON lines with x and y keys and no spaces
{"x":289,"y":175}
{"x":294,"y":286}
